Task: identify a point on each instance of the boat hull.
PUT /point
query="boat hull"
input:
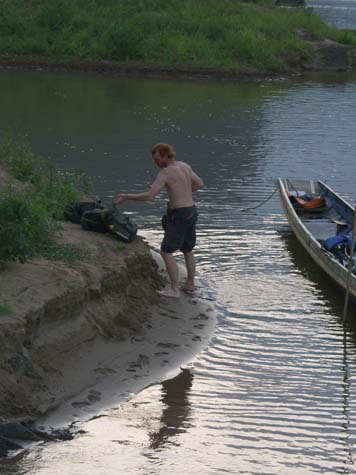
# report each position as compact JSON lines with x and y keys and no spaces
{"x":336,"y":271}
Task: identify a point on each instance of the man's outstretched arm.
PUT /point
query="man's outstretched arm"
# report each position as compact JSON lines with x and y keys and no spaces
{"x":149,"y":195}
{"x":197,"y":182}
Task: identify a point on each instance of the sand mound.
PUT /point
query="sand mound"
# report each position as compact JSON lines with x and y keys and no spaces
{"x":56,"y":308}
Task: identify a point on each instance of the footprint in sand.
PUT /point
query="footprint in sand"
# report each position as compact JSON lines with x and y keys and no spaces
{"x":94,"y":396}
{"x":79,"y":404}
{"x":143,"y":360}
{"x":199,"y":326}
{"x":104,"y":371}
{"x":161,"y":353}
{"x":168,"y":345}
{"x":135,"y":364}
{"x":201,"y":316}
{"x":171,"y":315}
{"x":196,"y":338}
{"x":136,"y":339}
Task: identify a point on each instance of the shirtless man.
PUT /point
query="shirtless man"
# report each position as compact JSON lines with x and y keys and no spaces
{"x":180,"y":181}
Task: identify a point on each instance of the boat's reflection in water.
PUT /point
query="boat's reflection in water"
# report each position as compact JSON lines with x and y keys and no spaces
{"x":331,"y":294}
{"x":333,"y":297}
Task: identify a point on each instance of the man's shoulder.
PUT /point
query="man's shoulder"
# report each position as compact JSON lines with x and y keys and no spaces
{"x":184,"y":165}
{"x":162,"y":174}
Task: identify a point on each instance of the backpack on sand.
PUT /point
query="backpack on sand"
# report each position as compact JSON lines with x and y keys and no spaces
{"x":110,"y":221}
{"x":74,"y":211}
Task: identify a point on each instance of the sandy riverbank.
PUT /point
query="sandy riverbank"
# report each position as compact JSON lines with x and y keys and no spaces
{"x":76,"y":327}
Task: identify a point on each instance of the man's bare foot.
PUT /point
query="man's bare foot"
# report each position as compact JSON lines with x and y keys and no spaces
{"x":171,"y":293}
{"x":188,"y":287}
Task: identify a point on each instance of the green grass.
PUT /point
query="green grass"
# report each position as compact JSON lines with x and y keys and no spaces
{"x":120,"y":247}
{"x":68,"y":253}
{"x":225,"y":34}
{"x":29,"y":216}
{"x":107,"y":284}
{"x":5,"y":310}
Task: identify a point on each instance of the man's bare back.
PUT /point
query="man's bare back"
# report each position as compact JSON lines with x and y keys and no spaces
{"x":177,"y":179}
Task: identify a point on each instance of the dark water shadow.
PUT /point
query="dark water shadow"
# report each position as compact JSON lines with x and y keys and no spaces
{"x":176,"y":409}
{"x":331,"y":293}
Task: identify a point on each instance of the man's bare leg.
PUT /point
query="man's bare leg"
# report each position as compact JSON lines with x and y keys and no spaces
{"x":190,"y":263}
{"x":173,"y":273}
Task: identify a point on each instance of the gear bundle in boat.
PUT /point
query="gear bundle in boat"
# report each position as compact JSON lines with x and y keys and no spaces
{"x":94,"y":217}
{"x":303,"y":202}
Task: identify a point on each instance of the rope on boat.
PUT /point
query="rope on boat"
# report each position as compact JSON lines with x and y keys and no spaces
{"x":260,"y":204}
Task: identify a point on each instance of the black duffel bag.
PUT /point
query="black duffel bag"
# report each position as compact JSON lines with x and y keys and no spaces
{"x":74,"y":211}
{"x":110,"y":221}
{"x":98,"y":220}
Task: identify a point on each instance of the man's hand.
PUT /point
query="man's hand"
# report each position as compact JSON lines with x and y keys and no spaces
{"x":197,"y":182}
{"x":120,"y":199}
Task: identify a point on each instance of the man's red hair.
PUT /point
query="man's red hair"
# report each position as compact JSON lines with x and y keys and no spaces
{"x":164,"y":150}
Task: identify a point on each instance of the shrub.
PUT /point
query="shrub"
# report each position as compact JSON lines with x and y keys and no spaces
{"x":123,"y":41}
{"x":29,"y":217}
{"x":24,"y":225}
{"x":23,"y":164}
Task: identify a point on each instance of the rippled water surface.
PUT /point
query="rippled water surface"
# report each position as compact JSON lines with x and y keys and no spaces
{"x":340,"y":13}
{"x":274,"y":392}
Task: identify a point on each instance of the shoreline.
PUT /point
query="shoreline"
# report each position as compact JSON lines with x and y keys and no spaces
{"x":133,"y":69}
{"x":84,"y":337}
{"x":328,"y":56}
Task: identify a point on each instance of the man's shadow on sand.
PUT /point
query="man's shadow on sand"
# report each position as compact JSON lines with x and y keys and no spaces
{"x":176,"y":409}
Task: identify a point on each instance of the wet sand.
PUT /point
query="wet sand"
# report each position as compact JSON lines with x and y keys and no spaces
{"x":174,"y":333}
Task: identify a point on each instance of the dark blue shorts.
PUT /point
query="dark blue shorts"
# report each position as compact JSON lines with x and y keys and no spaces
{"x":179,"y":230}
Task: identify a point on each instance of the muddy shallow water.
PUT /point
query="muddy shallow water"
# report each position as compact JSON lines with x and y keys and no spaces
{"x":273,"y":393}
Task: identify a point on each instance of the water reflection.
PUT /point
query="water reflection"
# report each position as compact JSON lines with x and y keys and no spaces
{"x":333,"y":298}
{"x":176,"y":410}
{"x":349,"y":459}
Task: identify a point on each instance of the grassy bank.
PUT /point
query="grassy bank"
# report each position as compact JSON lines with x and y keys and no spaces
{"x":227,"y":34}
{"x":32,"y":205}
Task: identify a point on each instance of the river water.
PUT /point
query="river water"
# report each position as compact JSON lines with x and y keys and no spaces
{"x":340,"y":13}
{"x":274,"y":392}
